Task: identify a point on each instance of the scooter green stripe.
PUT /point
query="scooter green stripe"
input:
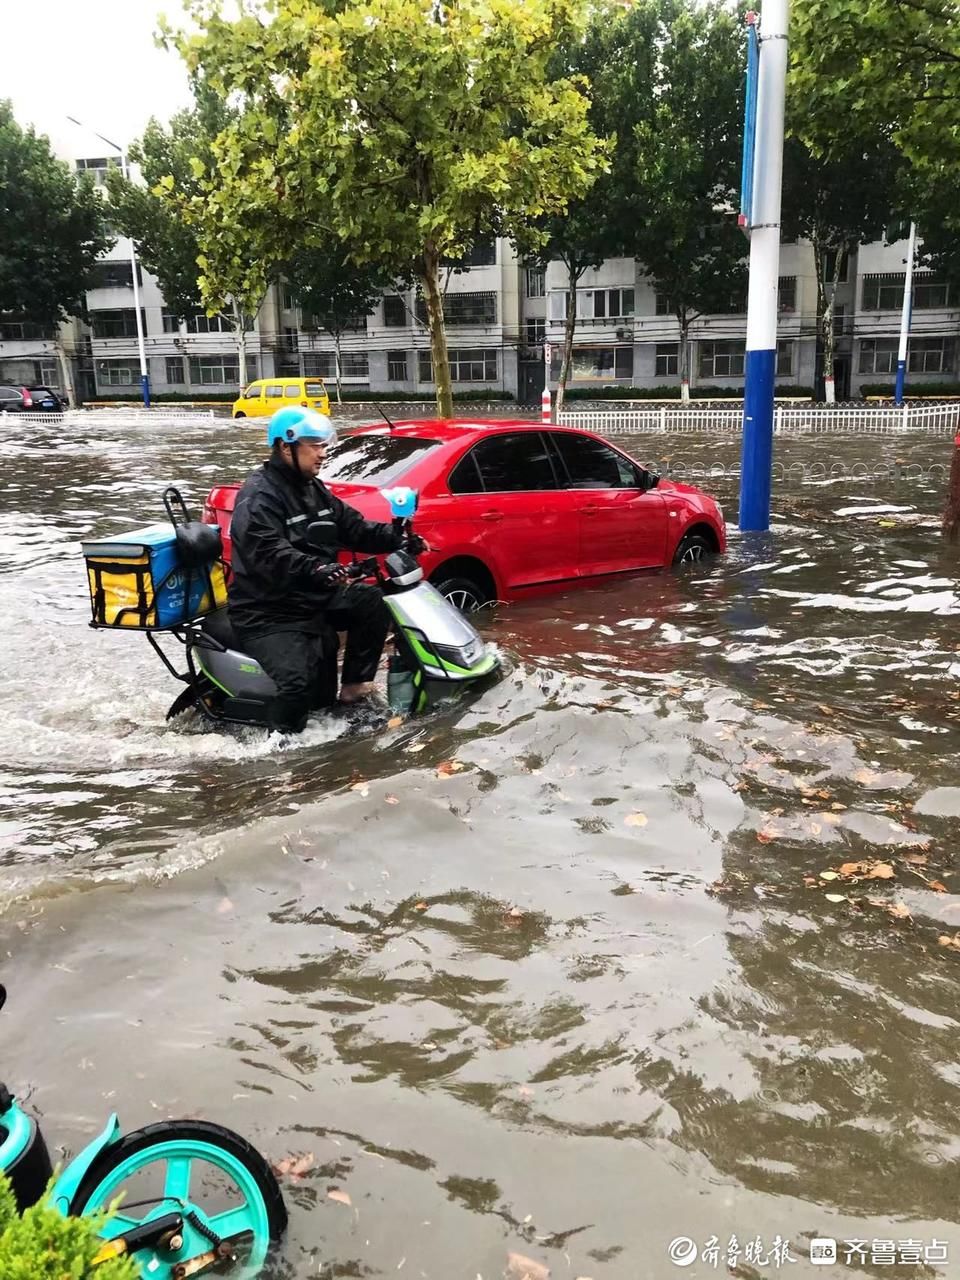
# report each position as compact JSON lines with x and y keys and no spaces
{"x":213,"y":680}
{"x":434,"y":660}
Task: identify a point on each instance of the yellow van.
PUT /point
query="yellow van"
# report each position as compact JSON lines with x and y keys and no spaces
{"x":266,"y":395}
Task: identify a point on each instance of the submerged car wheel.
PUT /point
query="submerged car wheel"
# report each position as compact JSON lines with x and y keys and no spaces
{"x":692,"y":548}
{"x":463,"y":593}
{"x":239,"y":415}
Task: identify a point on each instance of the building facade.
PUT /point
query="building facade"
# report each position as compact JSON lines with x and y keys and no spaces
{"x":500,"y":312}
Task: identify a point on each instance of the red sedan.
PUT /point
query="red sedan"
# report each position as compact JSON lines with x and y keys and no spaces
{"x":515,"y":509}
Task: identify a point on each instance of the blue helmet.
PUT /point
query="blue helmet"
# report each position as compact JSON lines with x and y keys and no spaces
{"x":293,"y":423}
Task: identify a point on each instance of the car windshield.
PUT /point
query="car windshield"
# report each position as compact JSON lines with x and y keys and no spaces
{"x":374,"y":459}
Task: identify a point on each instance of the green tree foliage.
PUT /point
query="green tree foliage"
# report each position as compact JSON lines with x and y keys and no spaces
{"x":44,"y":1245}
{"x":838,"y":199}
{"x":52,"y":229}
{"x":333,"y":292}
{"x":409,"y":129}
{"x":681,"y":93}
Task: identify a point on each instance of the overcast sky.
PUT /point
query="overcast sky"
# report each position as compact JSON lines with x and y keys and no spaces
{"x":93,"y":59}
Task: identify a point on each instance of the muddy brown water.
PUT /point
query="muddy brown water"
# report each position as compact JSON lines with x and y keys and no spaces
{"x":572,"y":1001}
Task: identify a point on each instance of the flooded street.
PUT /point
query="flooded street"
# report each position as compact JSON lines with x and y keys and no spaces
{"x":588,"y":993}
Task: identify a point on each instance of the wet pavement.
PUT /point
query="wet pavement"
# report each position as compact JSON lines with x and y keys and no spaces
{"x":588,"y":993}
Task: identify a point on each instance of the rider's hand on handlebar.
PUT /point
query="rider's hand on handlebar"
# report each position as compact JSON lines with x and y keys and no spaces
{"x":329,"y":575}
{"x":417,"y":545}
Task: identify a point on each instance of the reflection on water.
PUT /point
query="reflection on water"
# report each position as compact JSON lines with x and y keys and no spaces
{"x":661,"y":959}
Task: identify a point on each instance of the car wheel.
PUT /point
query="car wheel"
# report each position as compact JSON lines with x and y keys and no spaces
{"x":463,"y":593}
{"x":693,"y":548}
{"x":239,"y":415}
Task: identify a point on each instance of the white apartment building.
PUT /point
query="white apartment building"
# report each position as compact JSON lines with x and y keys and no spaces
{"x":499,"y":313}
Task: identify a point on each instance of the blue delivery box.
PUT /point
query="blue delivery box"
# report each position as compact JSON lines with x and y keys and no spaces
{"x":136,"y":580}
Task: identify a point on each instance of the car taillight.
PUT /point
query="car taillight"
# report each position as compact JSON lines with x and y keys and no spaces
{"x":27,"y":398}
{"x":209,"y":515}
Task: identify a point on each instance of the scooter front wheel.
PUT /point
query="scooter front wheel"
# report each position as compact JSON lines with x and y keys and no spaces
{"x":226,"y":1192}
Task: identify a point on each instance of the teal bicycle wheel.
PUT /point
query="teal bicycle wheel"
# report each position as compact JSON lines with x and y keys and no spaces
{"x":225,"y":1190}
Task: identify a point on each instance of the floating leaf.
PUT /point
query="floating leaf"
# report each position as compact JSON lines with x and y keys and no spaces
{"x":829,"y":875}
{"x":447,"y":767}
{"x":395,"y":722}
{"x":881,"y":871}
{"x":523,"y":1268}
{"x":765,"y":836}
{"x":938,"y":886}
{"x":835,"y":897}
{"x":341,"y":1197}
{"x":421,"y":906}
{"x":899,"y":910}
{"x":294,"y":1166}
{"x":390,"y":800}
{"x":635,"y":820}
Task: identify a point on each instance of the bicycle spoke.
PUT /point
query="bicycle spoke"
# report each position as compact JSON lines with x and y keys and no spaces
{"x":177,"y":1185}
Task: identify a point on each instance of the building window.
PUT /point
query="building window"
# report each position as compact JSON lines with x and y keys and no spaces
{"x":785,"y":359}
{"x":464,"y":309}
{"x":839,"y":320}
{"x":47,"y":373}
{"x":117,"y":373}
{"x":114,"y":275}
{"x":899,"y":230}
{"x":290,"y":341}
{"x":200,"y":322}
{"x":25,"y":331}
{"x":596,"y":364}
{"x":536,"y":332}
{"x":931,"y":291}
{"x":612,"y":304}
{"x":396,"y":366}
{"x":394,"y":311}
{"x":932,"y":355}
{"x":319,"y":364}
{"x":287,"y":301}
{"x":483,"y":254}
{"x":536,"y":282}
{"x":787,"y":293}
{"x":208,"y":371}
{"x":721,"y":359}
{"x":668,"y":359}
{"x":355,"y":364}
{"x":116,"y":324}
{"x":830,"y":266}
{"x":98,"y":167}
{"x":466,"y":365}
{"x":174,"y":369}
{"x":878,"y":355}
{"x":883,"y":292}
{"x":664,"y":305}
{"x":171,"y":322}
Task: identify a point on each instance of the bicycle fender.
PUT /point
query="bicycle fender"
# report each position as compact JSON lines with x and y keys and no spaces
{"x":65,"y":1187}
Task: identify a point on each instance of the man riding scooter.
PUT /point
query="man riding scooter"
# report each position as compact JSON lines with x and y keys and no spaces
{"x":287,"y":590}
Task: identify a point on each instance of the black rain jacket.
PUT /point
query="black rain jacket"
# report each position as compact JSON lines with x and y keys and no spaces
{"x":274,"y":586}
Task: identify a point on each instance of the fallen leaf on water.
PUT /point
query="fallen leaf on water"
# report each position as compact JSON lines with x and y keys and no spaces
{"x":635,"y":820}
{"x":765,"y":836}
{"x":390,"y":800}
{"x":938,"y":886}
{"x":446,"y":767}
{"x":223,"y":906}
{"x":837,"y":807}
{"x":294,"y":1166}
{"x":827,"y":711}
{"x":420,"y":906}
{"x":835,"y":897}
{"x":881,"y":871}
{"x":852,"y":868}
{"x":810,"y":881}
{"x":394,"y":722}
{"x":341,"y":1197}
{"x":916,"y":859}
{"x":523,"y":1268}
{"x":899,"y":910}
{"x":829,"y":875}
{"x":362,"y":787}
{"x":415,"y":747}
{"x":513,"y":916}
{"x":946,"y":941}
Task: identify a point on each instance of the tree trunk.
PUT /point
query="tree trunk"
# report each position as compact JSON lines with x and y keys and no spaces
{"x":66,"y":374}
{"x":338,"y":365}
{"x":829,"y":343}
{"x":430,"y":279}
{"x":574,"y":272}
{"x":240,"y":335}
{"x":950,"y":525}
{"x":684,"y":361}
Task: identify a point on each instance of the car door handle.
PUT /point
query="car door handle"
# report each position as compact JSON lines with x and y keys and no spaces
{"x":492,"y":516}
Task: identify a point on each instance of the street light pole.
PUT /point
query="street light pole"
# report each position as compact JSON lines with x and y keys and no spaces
{"x":144,"y":375}
{"x":905,"y":314}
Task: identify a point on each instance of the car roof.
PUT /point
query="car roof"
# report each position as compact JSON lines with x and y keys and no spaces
{"x":448,"y":430}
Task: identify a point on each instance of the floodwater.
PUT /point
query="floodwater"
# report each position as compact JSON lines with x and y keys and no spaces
{"x":585,"y":995}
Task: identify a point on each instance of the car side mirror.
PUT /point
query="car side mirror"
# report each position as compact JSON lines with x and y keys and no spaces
{"x":648,"y":480}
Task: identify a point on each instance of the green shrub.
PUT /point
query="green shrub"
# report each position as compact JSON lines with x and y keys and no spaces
{"x":886,"y":389}
{"x":43,"y":1245}
{"x":787,"y":391}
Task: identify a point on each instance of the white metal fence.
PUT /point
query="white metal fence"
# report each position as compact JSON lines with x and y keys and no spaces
{"x":113,"y":417}
{"x":929,"y":419}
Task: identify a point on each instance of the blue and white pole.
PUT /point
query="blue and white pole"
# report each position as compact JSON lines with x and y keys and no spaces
{"x":905,"y":314}
{"x":763,"y":223}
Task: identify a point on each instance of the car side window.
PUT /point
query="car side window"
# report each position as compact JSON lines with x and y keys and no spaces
{"x":253,"y":392}
{"x":514,"y":462}
{"x":292,"y":393}
{"x":274,"y":391}
{"x":465,"y":476}
{"x":591,"y":464}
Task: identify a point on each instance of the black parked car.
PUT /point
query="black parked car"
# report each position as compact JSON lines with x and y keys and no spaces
{"x":31,"y":399}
